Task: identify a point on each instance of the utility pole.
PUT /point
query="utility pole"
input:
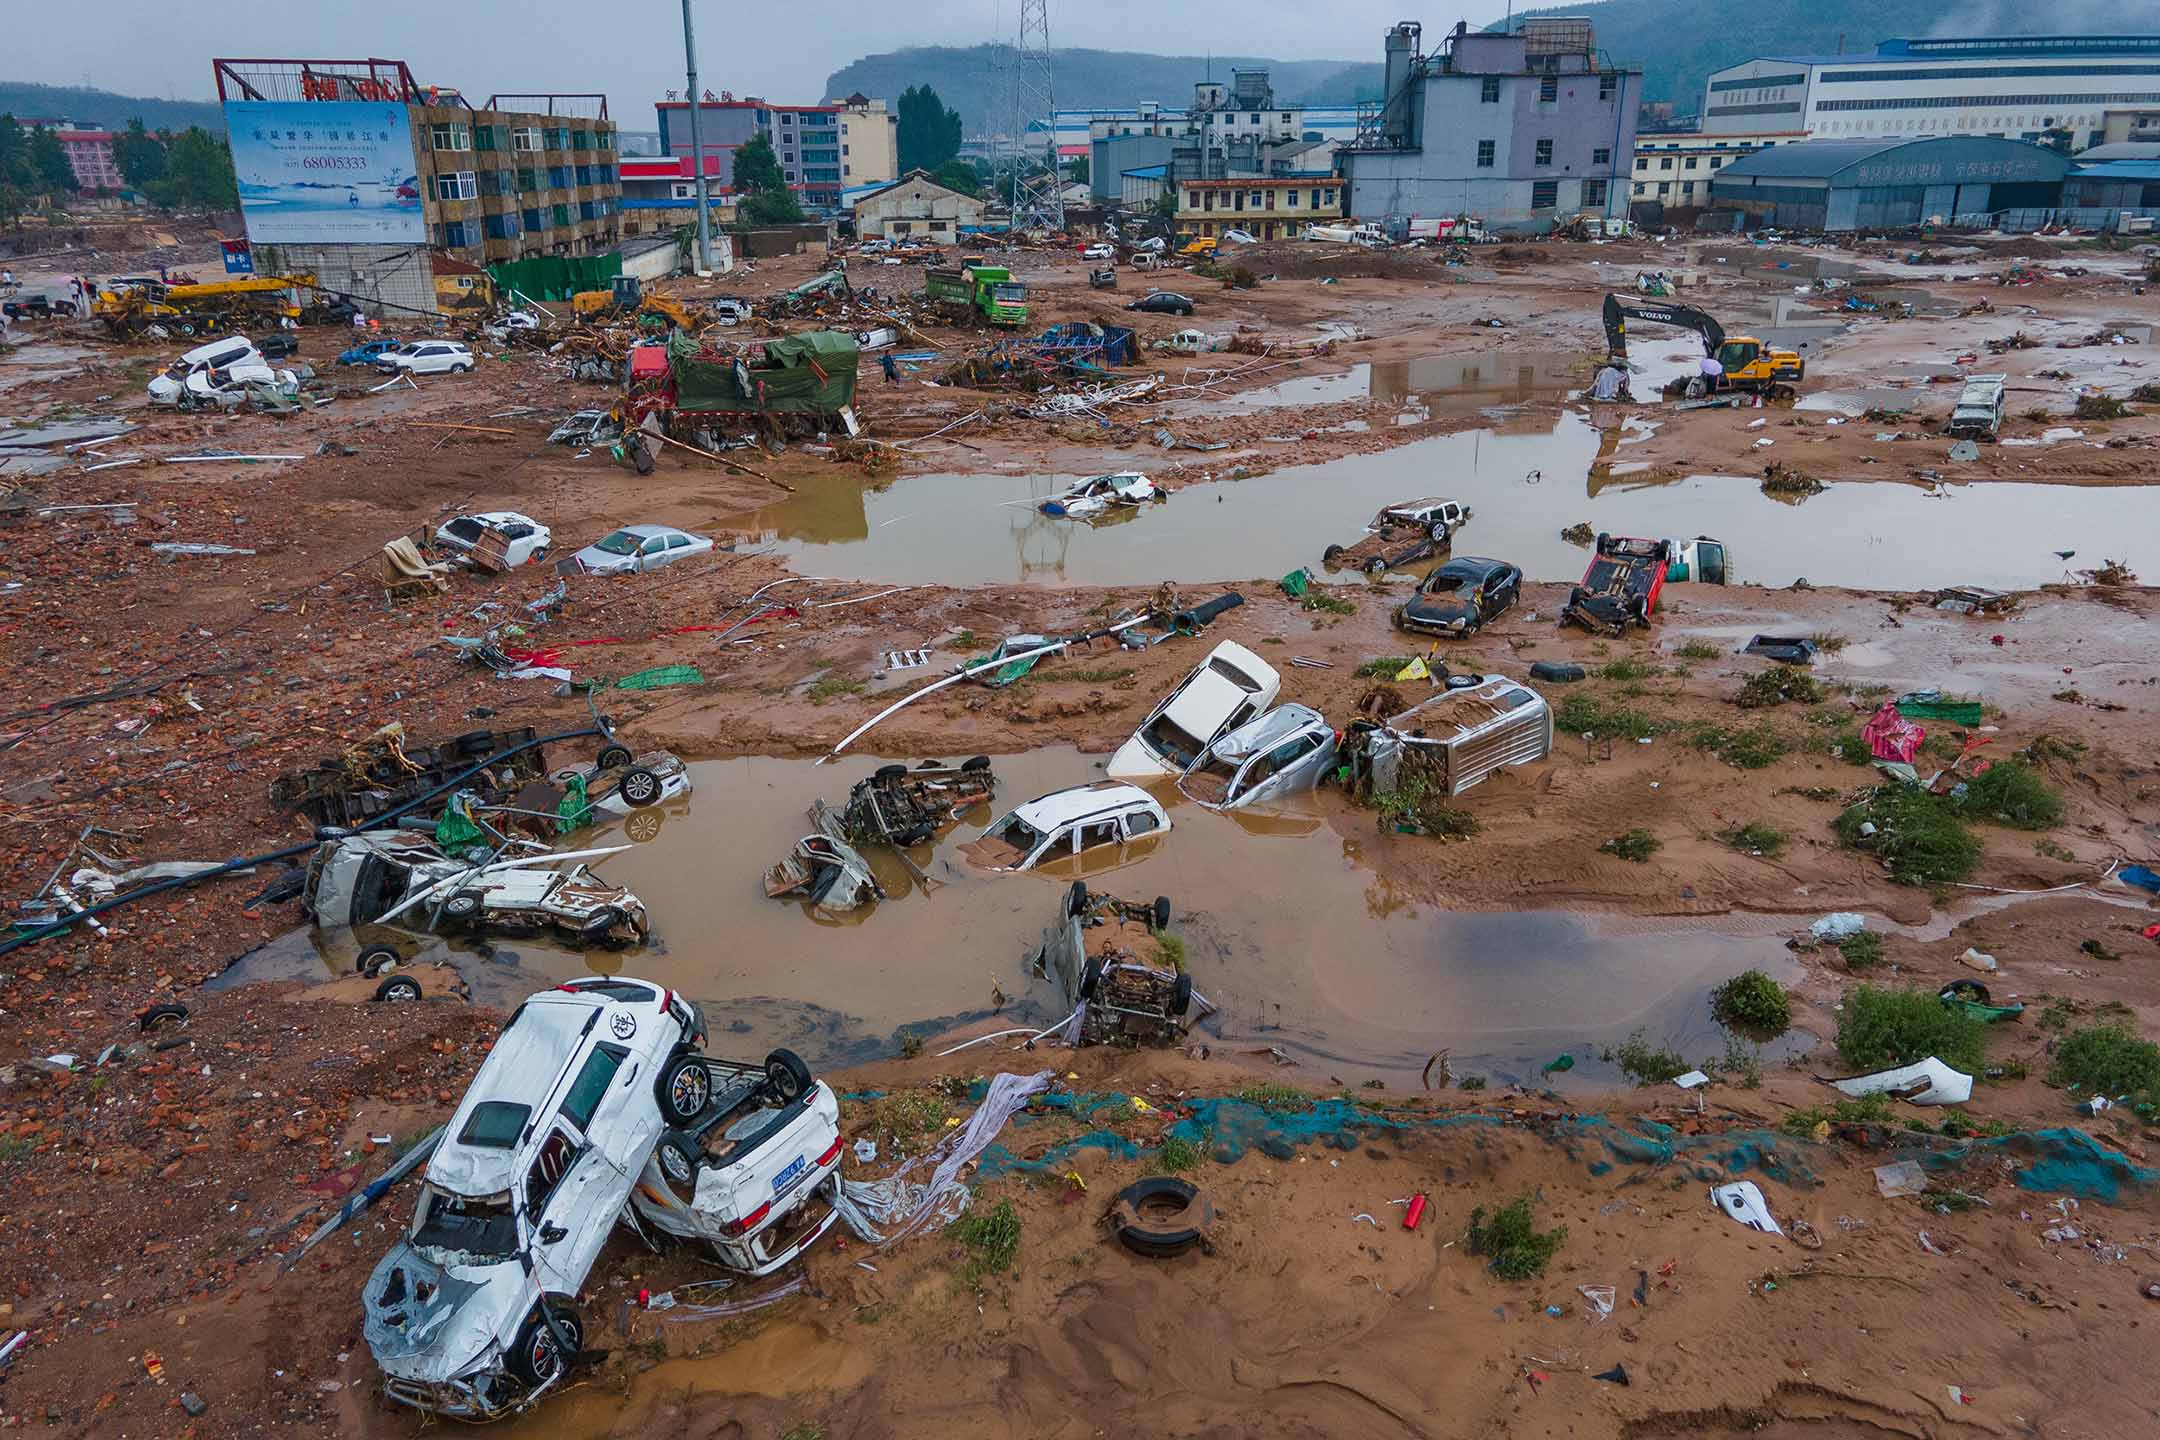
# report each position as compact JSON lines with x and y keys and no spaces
{"x":697,"y":147}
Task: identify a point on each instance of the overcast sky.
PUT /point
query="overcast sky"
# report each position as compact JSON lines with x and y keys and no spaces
{"x":633,"y":51}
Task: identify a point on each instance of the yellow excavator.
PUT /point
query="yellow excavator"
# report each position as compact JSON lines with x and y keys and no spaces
{"x":132,"y":306}
{"x":628,"y":296}
{"x":1747,"y":362}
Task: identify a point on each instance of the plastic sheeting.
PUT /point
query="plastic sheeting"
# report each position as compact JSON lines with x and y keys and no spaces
{"x":808,"y":374}
{"x":1890,"y":736}
{"x":882,"y":1211}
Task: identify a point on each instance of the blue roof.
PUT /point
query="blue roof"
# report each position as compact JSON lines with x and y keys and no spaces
{"x":1984,"y":47}
{"x":2117,"y":170}
{"x":1943,"y":159}
{"x":1147,"y":172}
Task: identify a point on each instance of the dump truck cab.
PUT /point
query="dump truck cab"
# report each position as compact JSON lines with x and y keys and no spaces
{"x":989,"y":291}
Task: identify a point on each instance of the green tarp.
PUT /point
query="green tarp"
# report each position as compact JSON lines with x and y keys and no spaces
{"x":662,"y":676}
{"x":555,"y":277}
{"x":1950,"y":712}
{"x":786,"y":382}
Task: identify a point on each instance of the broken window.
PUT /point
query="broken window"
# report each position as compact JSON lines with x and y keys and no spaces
{"x":557,"y":1154}
{"x":1140,"y":822}
{"x":1544,"y":152}
{"x":471,"y":1224}
{"x":1102,"y":832}
{"x":1544,"y":194}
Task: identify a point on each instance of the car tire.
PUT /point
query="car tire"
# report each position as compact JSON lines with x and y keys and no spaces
{"x":613,"y":757}
{"x":1375,"y":565}
{"x":1076,"y":899}
{"x":398,"y":990}
{"x":158,"y":1015}
{"x":677,"y":1156}
{"x":1438,"y":530}
{"x":788,"y":1075}
{"x":459,"y":369}
{"x":890,"y":772}
{"x":379,"y":960}
{"x":462,"y":906}
{"x":639,"y":787}
{"x":683,"y":1088}
{"x":1330,"y":555}
{"x":1161,"y":913}
{"x":596,"y":927}
{"x":974,"y":764}
{"x":1171,"y":1235}
{"x":1091,"y":976}
{"x":536,"y":1357}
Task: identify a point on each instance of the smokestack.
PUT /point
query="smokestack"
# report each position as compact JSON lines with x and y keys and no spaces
{"x":1401,"y":50}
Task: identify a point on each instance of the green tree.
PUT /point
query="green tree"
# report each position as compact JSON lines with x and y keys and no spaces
{"x":959,"y":175}
{"x":55,"y":176}
{"x":763,"y":188}
{"x":1076,"y":169}
{"x":198,"y":173}
{"x":928,"y":132}
{"x":139,"y":156}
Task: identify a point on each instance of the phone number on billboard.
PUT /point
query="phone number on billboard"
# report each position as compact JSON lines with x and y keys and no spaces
{"x":333,"y":162}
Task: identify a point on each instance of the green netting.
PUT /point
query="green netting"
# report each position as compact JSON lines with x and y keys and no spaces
{"x":1950,"y":712}
{"x":661,"y":676}
{"x":808,"y":374}
{"x":555,"y":277}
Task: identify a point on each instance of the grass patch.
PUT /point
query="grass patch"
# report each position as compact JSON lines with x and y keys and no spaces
{"x":1517,"y":1248}
{"x":1333,"y":604}
{"x":1828,"y":642}
{"x":1861,"y":950}
{"x":992,"y":1239}
{"x":1698,"y":650}
{"x":2050,"y":850}
{"x":1085,"y":677}
{"x":1581,"y":714}
{"x":1175,"y":1155}
{"x":1383,"y":666}
{"x":1758,"y":746}
{"x":1754,"y":838}
{"x":908,"y":1114}
{"x":1630,"y":667}
{"x":1637,"y":845}
{"x":803,"y":1430}
{"x":965,"y":640}
{"x":15,"y":1147}
{"x":1918,"y":836}
{"x":1881,"y":1027}
{"x":833,"y":687}
{"x":2108,"y":1060}
{"x":1470,"y":1082}
{"x":1170,"y":950}
{"x":2011,"y":793}
{"x":1780,"y":685}
{"x":1282,"y":1099}
{"x":1644,"y":1063}
{"x":1867,"y":1110}
{"x":1743,"y":1060}
{"x":1847,"y":745}
{"x":1415,"y":806}
{"x":1753,"y":1002}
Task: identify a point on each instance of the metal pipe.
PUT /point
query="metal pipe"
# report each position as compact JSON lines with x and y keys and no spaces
{"x":697,"y":146}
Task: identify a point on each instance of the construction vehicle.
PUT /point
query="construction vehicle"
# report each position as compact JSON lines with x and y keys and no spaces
{"x":627,"y":295}
{"x":134,"y":304}
{"x":1747,"y":363}
{"x":985,"y":291}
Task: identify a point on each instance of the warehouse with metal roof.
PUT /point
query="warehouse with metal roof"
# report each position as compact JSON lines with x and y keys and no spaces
{"x":1890,"y":184}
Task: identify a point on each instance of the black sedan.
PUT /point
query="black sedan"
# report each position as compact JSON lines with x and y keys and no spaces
{"x":1461,"y":596}
{"x":1163,"y":302}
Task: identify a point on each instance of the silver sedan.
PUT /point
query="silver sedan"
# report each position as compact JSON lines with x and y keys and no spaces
{"x":639,"y":547}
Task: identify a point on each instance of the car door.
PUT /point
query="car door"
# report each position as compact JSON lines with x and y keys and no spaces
{"x":571,"y":1195}
{"x":653,"y":553}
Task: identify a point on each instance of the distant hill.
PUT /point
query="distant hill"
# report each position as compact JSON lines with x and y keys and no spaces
{"x":962,"y":77}
{"x":104,"y":110}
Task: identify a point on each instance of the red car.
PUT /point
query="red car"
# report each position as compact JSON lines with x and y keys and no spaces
{"x":1621,"y":587}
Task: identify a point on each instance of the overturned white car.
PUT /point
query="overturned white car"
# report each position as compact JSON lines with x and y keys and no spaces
{"x":1100,"y":494}
{"x":398,"y":876}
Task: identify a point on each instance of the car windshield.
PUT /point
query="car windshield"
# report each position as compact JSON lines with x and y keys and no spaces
{"x":622,"y":542}
{"x":1017,"y":833}
{"x":1445,"y":584}
{"x":475,"y":1226}
{"x":1177,"y":748}
{"x":495,"y":1124}
{"x":463,"y":528}
{"x":1009,"y":294}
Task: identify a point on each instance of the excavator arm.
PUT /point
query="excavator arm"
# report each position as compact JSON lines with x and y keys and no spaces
{"x":1684,"y":317}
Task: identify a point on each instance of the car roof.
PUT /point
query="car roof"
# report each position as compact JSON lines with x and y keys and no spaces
{"x":498,"y":517}
{"x":1267,"y":731}
{"x":1063,"y":807}
{"x":646,"y":532}
{"x":1477,"y":566}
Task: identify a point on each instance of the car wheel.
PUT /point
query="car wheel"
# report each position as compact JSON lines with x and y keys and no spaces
{"x":684,"y":1088}
{"x":1162,"y":912}
{"x":1076,"y":899}
{"x":379,"y":960}
{"x":1375,"y":565}
{"x":1439,"y":532}
{"x":459,"y":369}
{"x":537,"y":1358}
{"x":613,"y":757}
{"x":639,"y":787}
{"x":1091,"y":976}
{"x":602,"y":921}
{"x":398,"y":989}
{"x":678,"y":1157}
{"x":1330,"y":555}
{"x":1181,"y":995}
{"x":890,"y":772}
{"x":462,"y":906}
{"x":788,"y":1075}
{"x":974,"y":764}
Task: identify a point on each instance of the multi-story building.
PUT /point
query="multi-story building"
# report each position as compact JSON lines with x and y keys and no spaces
{"x":1674,"y":168}
{"x":352,"y":171}
{"x":1230,"y":131}
{"x":1265,"y":208}
{"x":1522,"y":130}
{"x":2018,"y":87}
{"x":805,"y":139}
{"x":90,"y":155}
{"x":869,"y":142}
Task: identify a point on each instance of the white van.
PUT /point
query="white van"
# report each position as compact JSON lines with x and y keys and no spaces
{"x":170,"y":385}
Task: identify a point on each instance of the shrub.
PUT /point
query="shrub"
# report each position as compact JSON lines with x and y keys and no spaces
{"x":1630,"y":667}
{"x":1866,"y":1110}
{"x":1754,"y":838}
{"x":1276,"y":1097}
{"x":1384,"y":667}
{"x":1644,"y":1063}
{"x":1698,"y":650}
{"x":1861,"y":950}
{"x":1880,"y":1028}
{"x":1637,"y":845}
{"x":2108,"y":1060}
{"x":1581,"y":714}
{"x":1918,"y":836}
{"x":2011,"y":793}
{"x":1779,"y":685}
{"x":991,"y":1238}
{"x":1176,"y":1154}
{"x":1512,"y":1239}
{"x":1752,"y":1001}
{"x":1750,"y":749}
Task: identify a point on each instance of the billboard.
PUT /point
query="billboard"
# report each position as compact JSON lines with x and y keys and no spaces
{"x":326,"y":172}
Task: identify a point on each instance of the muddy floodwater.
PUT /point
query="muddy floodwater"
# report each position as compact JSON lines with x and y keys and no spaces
{"x":1523,"y":488}
{"x":1299,"y":944}
{"x":1434,"y":384}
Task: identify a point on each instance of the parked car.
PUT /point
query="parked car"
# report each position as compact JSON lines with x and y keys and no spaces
{"x":1163,"y":302}
{"x":1289,"y":749}
{"x":383,"y":876}
{"x":1400,"y":535}
{"x":639,"y":547}
{"x":1461,"y":597}
{"x":1223,"y":691}
{"x":368,"y":352}
{"x":36,"y":307}
{"x":1104,"y":955}
{"x":278,"y":344}
{"x":427,"y":357}
{"x":753,"y":1177}
{"x":469,"y":1315}
{"x":1085,"y":499}
{"x":522,"y":539}
{"x":1099,"y":251}
{"x":1069,"y":822}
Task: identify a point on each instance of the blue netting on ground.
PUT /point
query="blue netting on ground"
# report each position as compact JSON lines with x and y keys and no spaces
{"x":2057,"y":1162}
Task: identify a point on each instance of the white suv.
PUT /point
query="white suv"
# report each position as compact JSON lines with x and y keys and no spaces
{"x":469,"y":1316}
{"x":427,"y":357}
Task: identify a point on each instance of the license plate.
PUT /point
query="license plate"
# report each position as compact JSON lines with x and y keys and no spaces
{"x":789,"y":1176}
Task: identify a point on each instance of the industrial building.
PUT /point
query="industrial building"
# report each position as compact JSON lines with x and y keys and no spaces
{"x":1673,"y":169}
{"x":352,"y":171}
{"x":1834,"y":185}
{"x":1264,"y":208}
{"x":2019,"y":87}
{"x":1524,"y":130}
{"x":917,"y":207}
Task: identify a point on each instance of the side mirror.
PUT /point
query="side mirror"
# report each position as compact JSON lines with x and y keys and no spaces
{"x":551,"y":1232}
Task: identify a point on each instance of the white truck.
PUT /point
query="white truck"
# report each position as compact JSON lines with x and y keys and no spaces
{"x":1979,"y":411}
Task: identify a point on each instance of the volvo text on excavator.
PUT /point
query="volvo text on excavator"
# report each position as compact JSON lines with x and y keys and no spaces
{"x":1748,"y":364}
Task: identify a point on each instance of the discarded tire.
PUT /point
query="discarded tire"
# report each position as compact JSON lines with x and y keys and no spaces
{"x":613,"y":757}
{"x":379,"y":960}
{"x":974,"y":763}
{"x":1161,"y":914}
{"x":1560,"y":673}
{"x":398,"y":989}
{"x":639,"y":787}
{"x":160,"y":1015}
{"x":1161,"y":1216}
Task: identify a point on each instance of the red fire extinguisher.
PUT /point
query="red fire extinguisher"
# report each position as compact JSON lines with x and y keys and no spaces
{"x":1415,"y":1213}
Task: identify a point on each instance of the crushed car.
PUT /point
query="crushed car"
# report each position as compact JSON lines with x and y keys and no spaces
{"x":1099,"y":494}
{"x":1621,"y":586}
{"x":1461,"y":597}
{"x":587,"y":427}
{"x":382,"y":876}
{"x":496,"y":539}
{"x":1108,"y":958}
{"x":1070,"y":822}
{"x":1451,"y":741}
{"x":381,"y":772}
{"x":469,"y":1316}
{"x":1221,"y":693}
{"x":753,"y":1178}
{"x":1400,"y":535}
{"x":1287,"y":750}
{"x":825,"y":871}
{"x":900,"y":806}
{"x":619,"y":782}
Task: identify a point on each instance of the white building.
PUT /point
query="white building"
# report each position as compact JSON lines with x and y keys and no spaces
{"x":2016,"y":87}
{"x":1675,"y":168}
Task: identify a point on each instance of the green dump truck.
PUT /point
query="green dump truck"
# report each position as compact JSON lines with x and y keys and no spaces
{"x":985,"y":290}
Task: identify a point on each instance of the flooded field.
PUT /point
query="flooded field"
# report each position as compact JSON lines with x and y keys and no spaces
{"x":1263,"y":903}
{"x":1523,"y":488}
